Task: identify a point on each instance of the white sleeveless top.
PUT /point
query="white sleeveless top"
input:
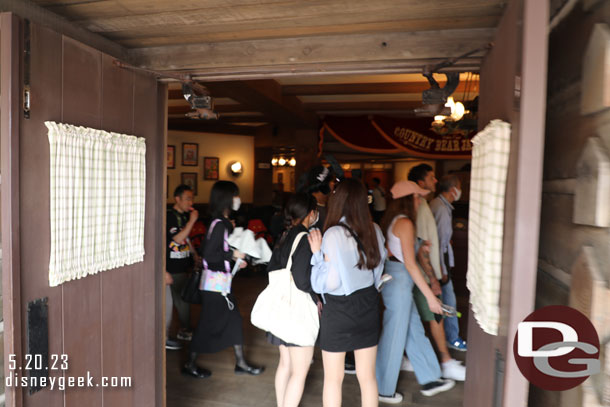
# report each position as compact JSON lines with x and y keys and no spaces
{"x":394,"y":242}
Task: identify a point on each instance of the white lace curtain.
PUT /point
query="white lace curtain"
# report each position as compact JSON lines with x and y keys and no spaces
{"x":490,"y":153}
{"x":98,"y":187}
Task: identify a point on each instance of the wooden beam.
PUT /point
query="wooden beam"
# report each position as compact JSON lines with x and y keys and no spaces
{"x":112,"y":15}
{"x":208,"y":126}
{"x":266,"y":96}
{"x":288,"y":29}
{"x":315,"y":53}
{"x":363,"y":106}
{"x":244,"y":119}
{"x":36,"y":14}
{"x":218,"y":109}
{"x":368,"y":88}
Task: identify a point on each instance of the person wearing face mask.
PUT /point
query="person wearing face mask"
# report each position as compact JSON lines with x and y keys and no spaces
{"x":220,"y":323}
{"x":300,"y":214}
{"x":319,"y":186}
{"x":450,"y":191}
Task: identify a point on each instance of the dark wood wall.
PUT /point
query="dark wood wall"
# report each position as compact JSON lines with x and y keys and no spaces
{"x":512,"y":88}
{"x":107,"y":323}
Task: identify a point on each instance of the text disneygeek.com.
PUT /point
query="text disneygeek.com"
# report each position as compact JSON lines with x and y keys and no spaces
{"x":63,"y":382}
{"x":21,"y":376}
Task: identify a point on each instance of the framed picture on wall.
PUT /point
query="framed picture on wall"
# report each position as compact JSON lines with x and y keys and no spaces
{"x":171,"y":157}
{"x":190,"y":179}
{"x":190,"y":154}
{"x":210,"y":168}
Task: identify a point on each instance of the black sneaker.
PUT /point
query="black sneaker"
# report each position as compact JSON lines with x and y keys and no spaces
{"x":171,"y":344}
{"x":184,"y":335}
{"x":350,"y":368}
{"x":439,"y":386}
{"x":396,"y":398}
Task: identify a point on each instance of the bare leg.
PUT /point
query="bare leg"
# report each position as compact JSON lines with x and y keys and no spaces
{"x":365,"y":371}
{"x":438,"y":334}
{"x":334,"y":371}
{"x":300,"y":360}
{"x":282,"y":375}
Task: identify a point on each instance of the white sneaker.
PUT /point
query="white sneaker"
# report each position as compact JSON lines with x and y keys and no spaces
{"x":454,"y":370}
{"x":396,"y":398}
{"x":406,"y":365}
{"x":439,"y":386}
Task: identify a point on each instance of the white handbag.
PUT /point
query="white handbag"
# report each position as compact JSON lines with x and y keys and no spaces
{"x":287,"y":312}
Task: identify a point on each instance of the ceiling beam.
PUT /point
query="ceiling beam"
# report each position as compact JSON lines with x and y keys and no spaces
{"x":363,"y":106}
{"x":318,"y":54}
{"x":29,"y":10}
{"x":368,"y":88}
{"x":218,"y":109}
{"x":208,"y":126}
{"x":266,"y":96}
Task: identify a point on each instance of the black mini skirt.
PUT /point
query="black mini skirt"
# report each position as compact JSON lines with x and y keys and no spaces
{"x":350,"y":322}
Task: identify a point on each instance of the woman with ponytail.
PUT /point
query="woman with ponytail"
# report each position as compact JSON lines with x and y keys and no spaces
{"x":300,"y":214}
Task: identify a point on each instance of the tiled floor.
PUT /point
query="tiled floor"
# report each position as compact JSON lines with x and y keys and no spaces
{"x":225,"y":389}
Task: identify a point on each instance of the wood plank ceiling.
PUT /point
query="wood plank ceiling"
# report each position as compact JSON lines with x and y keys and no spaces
{"x":288,"y":62}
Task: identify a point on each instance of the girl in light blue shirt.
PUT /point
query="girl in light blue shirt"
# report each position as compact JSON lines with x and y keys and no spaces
{"x":346,"y":267}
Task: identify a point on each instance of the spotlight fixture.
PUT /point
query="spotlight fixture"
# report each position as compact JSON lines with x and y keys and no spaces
{"x":281,"y":161}
{"x":292,"y":162}
{"x":274,"y":161}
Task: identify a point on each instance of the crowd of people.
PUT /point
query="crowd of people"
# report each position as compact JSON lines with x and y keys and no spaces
{"x":349,"y":258}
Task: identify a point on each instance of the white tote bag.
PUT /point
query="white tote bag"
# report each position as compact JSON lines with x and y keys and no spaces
{"x":284,"y":310}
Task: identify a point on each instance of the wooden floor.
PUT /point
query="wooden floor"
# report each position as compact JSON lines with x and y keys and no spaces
{"x":224,"y":388}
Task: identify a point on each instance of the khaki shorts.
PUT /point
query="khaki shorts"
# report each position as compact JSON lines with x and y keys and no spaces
{"x":422,"y":305}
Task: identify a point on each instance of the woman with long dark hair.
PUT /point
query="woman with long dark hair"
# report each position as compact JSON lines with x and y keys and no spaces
{"x":220,"y":324}
{"x":300,"y":214}
{"x":402,"y":327}
{"x":346,"y":267}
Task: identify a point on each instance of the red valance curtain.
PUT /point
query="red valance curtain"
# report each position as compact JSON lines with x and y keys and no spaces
{"x":381,"y":134}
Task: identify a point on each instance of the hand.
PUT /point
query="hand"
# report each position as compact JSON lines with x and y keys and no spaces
{"x":239,"y":255}
{"x":315,"y":240}
{"x":194,"y":215}
{"x":445,"y":278}
{"x":169,"y":280}
{"x":243,"y":264}
{"x":434,"y":304}
{"x":435,"y":287}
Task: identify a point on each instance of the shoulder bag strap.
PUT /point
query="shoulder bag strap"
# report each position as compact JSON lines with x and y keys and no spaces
{"x":297,"y":239}
{"x":354,"y":235}
{"x":225,"y":243}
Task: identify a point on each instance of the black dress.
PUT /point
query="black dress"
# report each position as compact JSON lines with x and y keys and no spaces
{"x":218,"y":326}
{"x":301,"y":268}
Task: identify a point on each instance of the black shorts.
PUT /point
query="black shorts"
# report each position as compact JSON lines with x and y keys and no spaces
{"x":350,"y":322}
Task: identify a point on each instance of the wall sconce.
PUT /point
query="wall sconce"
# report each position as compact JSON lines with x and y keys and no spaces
{"x":236,"y":168}
{"x":282,"y":161}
